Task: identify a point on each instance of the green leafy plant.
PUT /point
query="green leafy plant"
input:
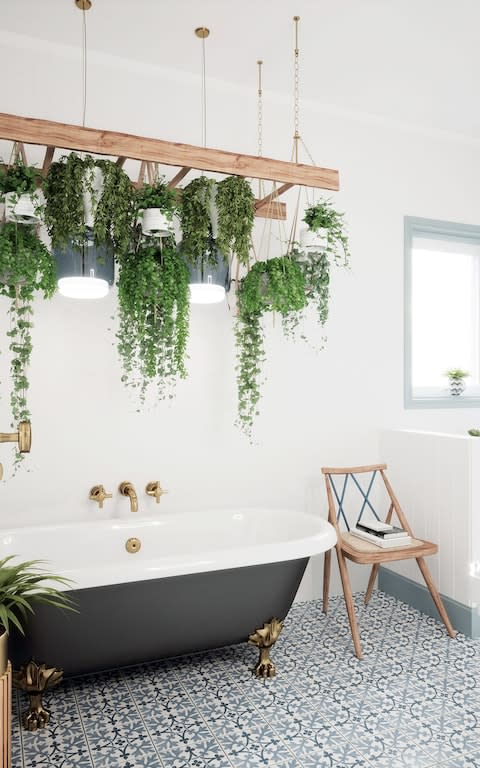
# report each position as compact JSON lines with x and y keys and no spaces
{"x":26,"y":266}
{"x":19,"y":178}
{"x":196,"y":214}
{"x":157,"y":195}
{"x":153,"y":299}
{"x":474,"y":432}
{"x":65,"y":184}
{"x":456,"y":374}
{"x":315,"y":267}
{"x":235,"y":205}
{"x":276,"y":285}
{"x":22,"y":585}
{"x":322,"y":215}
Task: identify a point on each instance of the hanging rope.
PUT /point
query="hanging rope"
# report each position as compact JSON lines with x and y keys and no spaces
{"x":84,"y":65}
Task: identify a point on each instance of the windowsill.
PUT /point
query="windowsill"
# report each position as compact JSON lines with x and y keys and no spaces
{"x":440,"y":399}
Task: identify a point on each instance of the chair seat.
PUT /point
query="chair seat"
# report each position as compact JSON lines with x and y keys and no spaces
{"x":361,"y":551}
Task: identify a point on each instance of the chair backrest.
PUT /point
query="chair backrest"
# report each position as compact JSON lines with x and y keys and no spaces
{"x":357,"y":494}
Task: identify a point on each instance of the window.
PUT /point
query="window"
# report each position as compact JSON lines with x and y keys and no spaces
{"x":442,"y":312}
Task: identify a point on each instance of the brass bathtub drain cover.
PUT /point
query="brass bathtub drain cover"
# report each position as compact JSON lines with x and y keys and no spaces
{"x":133,"y":545}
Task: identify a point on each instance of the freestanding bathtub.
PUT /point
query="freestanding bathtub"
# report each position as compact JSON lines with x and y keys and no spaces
{"x":198,"y":581}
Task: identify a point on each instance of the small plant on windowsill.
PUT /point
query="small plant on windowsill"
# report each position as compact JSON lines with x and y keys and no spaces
{"x":456,"y":378}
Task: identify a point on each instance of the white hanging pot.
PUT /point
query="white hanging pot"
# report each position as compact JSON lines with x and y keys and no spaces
{"x":21,"y":208}
{"x":155,"y":223}
{"x":311,"y":240}
{"x":91,"y":198}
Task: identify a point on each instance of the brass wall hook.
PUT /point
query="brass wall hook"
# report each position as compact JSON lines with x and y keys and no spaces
{"x":98,"y":494}
{"x":23,"y":437}
{"x":155,"y":489}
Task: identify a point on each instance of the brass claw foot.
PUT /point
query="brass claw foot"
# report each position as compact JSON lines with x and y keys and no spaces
{"x":264,"y":639}
{"x":34,"y":679}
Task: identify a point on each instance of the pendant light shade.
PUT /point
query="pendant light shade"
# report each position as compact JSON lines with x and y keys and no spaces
{"x":209,"y":283}
{"x":84,"y":272}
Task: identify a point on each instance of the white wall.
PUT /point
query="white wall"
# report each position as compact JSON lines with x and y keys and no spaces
{"x":316,"y":409}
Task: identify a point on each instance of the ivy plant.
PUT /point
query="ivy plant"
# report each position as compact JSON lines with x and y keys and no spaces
{"x":323,"y":215}
{"x":26,"y":266}
{"x":153,"y":305}
{"x":235,"y":205}
{"x":197,"y":219}
{"x":157,"y":195}
{"x":65,"y":184}
{"x":276,"y":285}
{"x":19,"y":178}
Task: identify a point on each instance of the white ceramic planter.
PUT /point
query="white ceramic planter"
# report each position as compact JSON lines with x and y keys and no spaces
{"x":89,"y":205}
{"x":21,"y":208}
{"x":155,"y":223}
{"x":313,"y":241}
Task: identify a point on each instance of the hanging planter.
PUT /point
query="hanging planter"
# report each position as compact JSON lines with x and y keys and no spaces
{"x":153,"y":314}
{"x":325,"y":232}
{"x":26,"y":266}
{"x":86,"y":196}
{"x":156,"y":205}
{"x":18,"y":184}
{"x":276,"y":285}
{"x":217,"y":221}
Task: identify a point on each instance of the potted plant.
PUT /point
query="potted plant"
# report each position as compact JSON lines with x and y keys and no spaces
{"x":21,"y":586}
{"x":275,"y":285}
{"x":26,"y":266}
{"x":18,"y":185}
{"x":83,"y":194}
{"x":153,"y":315}
{"x":235,"y":206}
{"x":325,"y":232}
{"x":156,"y":205}
{"x":456,"y":378}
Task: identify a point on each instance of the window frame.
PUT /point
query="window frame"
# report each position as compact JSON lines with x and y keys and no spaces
{"x":447,"y":230}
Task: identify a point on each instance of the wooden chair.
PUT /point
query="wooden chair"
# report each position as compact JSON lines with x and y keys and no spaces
{"x":344,"y":487}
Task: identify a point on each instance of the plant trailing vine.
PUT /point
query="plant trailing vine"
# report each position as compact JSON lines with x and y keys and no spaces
{"x":65,"y":184}
{"x":235,"y":205}
{"x":153,"y":300}
{"x":276,"y":285}
{"x":26,"y":266}
{"x":197,"y":219}
{"x":322,"y":215}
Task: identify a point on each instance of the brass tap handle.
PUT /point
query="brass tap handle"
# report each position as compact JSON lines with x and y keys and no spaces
{"x":98,"y":494}
{"x":23,"y":437}
{"x":155,"y":489}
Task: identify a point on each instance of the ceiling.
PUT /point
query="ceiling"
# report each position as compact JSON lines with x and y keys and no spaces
{"x":413,"y":61}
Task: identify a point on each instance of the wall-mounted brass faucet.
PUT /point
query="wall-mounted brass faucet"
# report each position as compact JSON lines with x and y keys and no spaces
{"x":127,"y":489}
{"x":23,"y":437}
{"x":155,"y":489}
{"x":98,"y":494}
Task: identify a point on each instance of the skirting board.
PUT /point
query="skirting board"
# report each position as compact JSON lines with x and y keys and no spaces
{"x":464,"y":619}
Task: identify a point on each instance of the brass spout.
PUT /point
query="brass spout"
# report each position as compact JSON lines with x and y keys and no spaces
{"x":126,"y":489}
{"x":23,"y":437}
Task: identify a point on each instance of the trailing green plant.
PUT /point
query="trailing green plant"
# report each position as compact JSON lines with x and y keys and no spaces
{"x":235,"y":205}
{"x":315,"y":266}
{"x":153,"y":301}
{"x":157,"y":195}
{"x":23,"y":585}
{"x":276,"y":285}
{"x":456,"y":374}
{"x":322,"y":215}
{"x":26,"y":266}
{"x":196,"y":215}
{"x":19,"y":178}
{"x":65,"y":184}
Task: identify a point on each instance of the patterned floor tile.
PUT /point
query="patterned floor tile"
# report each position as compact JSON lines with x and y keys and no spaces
{"x":414,"y":700}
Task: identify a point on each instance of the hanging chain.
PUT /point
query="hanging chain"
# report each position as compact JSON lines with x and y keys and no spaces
{"x":260,"y":109}
{"x":296,"y":93}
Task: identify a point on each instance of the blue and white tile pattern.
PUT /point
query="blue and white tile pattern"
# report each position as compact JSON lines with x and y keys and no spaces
{"x":414,"y":700}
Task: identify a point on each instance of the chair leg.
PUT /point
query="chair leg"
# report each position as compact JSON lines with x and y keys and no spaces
{"x":326,"y":578}
{"x":347,"y":592}
{"x":371,"y":582}
{"x":435,"y":595}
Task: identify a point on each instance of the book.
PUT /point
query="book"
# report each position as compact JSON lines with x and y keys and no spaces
{"x":399,"y":541}
{"x":385,"y":532}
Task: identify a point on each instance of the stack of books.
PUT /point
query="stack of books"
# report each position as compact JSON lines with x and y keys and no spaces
{"x":381,"y":534}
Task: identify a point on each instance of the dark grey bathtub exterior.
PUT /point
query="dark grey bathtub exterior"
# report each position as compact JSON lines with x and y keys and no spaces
{"x":124,"y":624}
